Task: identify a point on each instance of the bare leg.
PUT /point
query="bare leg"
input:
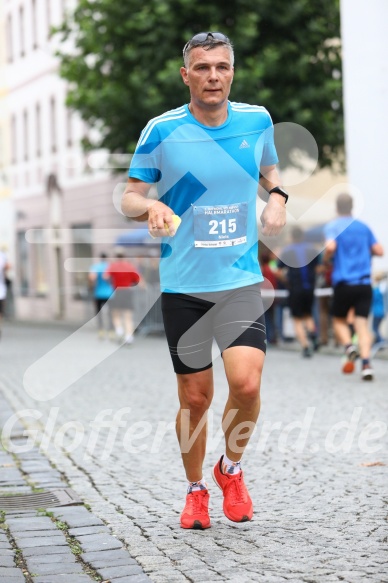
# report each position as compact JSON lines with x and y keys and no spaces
{"x":128,"y":322}
{"x":364,"y":336}
{"x":300,"y":332}
{"x":117,"y":320}
{"x":195,"y":393}
{"x":350,"y":318}
{"x":310,"y":324}
{"x":243,"y":367}
{"x":324,"y":316}
{"x":341,"y":331}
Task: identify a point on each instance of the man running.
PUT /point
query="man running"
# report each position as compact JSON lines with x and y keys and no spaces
{"x":351,"y":244}
{"x":299,"y":261}
{"x":206,"y":159}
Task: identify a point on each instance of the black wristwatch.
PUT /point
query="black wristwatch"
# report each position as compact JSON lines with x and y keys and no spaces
{"x":280,"y":191}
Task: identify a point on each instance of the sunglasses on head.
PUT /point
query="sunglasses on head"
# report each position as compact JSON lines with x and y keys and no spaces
{"x":202,"y":37}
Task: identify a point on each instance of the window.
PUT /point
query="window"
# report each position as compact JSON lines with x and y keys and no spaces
{"x":34,"y":25}
{"x":48,"y":17}
{"x":53,"y":125}
{"x":81,"y":249}
{"x":9,"y":39}
{"x":21,"y":30}
{"x":63,"y":8}
{"x":13,"y":139}
{"x":38,"y":131}
{"x":25,"y":134}
{"x":32,"y":271}
{"x":69,"y":127}
{"x":39,"y":263}
{"x":22,"y":263}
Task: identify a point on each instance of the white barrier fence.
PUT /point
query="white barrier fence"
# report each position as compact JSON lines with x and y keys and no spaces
{"x":148,"y":297}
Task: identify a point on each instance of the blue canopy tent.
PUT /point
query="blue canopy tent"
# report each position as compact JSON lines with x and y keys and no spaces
{"x":139,"y":242}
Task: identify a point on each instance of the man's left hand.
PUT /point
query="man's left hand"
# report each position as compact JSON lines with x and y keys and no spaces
{"x":273,"y":217}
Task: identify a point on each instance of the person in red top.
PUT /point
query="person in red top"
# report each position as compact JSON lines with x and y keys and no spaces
{"x":123,"y":276}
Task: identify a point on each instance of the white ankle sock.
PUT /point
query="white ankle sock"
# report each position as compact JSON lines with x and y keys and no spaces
{"x":196,"y":486}
{"x":229,"y":467}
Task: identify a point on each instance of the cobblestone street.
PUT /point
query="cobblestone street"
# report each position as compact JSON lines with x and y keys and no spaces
{"x":316,"y":467}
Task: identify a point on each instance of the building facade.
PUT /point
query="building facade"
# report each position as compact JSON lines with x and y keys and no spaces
{"x":6,"y":212}
{"x":60,"y":207}
{"x":365,"y":66}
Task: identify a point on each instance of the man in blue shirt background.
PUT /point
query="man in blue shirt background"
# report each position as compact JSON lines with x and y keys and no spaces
{"x":351,"y":245}
{"x":102,"y":290}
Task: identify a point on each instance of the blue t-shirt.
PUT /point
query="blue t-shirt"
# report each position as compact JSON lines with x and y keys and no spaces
{"x":102,"y":288}
{"x":352,"y":258}
{"x":301,"y":259}
{"x":209,"y":177}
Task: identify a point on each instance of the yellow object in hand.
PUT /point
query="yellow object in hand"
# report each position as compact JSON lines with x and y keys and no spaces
{"x":176,"y":220}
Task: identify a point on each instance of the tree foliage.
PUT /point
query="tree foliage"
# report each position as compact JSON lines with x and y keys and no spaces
{"x":123,"y":68}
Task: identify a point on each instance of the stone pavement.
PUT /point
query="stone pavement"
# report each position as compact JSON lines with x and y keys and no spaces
{"x":48,"y":544}
{"x":316,"y":469}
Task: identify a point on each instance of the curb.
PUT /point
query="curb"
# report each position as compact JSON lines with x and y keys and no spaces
{"x":52,"y":544}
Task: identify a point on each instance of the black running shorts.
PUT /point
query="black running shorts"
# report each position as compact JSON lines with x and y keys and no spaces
{"x":346,"y":297}
{"x":232,"y":318}
{"x":301,"y":302}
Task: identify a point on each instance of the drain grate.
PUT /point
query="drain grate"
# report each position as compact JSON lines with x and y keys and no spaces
{"x":63,"y":497}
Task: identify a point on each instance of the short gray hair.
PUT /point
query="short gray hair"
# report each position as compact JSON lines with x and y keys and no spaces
{"x":209,"y":43}
{"x":344,"y":204}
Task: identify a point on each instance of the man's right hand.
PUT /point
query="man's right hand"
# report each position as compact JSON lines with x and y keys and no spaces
{"x":138,"y":207}
{"x":160,"y":221}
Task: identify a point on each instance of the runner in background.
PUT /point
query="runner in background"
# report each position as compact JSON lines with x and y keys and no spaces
{"x":123,"y":275}
{"x":351,"y":245}
{"x":102,"y":291}
{"x":300,"y":260}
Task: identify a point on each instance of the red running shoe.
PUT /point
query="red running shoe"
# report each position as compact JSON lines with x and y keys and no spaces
{"x":351,"y":354}
{"x":196,"y":511}
{"x":237,"y":505}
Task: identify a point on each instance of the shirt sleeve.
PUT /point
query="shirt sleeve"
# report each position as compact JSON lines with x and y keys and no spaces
{"x":330,"y":232}
{"x":372,"y":238}
{"x":270,"y":156}
{"x":133,"y":274}
{"x":146,"y":163}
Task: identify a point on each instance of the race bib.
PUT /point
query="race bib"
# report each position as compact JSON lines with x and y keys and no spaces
{"x":221,"y":225}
